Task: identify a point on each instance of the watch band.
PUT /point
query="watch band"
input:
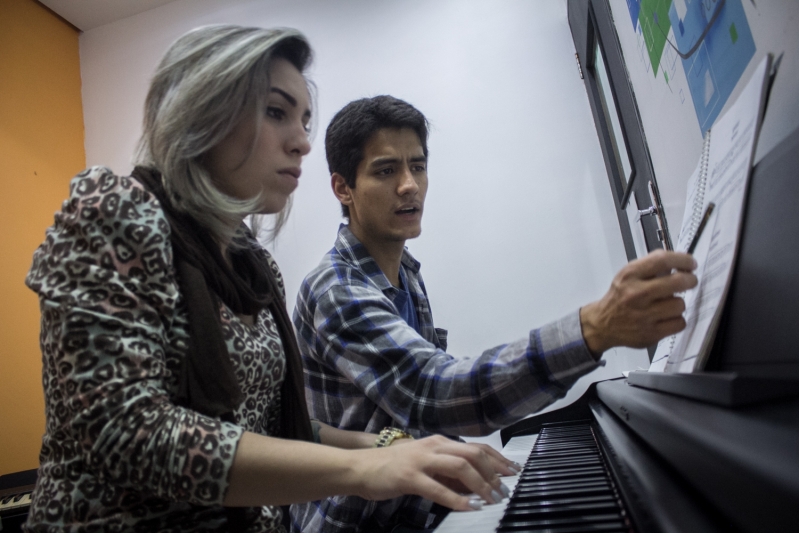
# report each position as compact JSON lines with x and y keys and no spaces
{"x":389,"y":435}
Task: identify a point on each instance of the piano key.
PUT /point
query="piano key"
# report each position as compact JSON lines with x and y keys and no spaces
{"x":555,"y":485}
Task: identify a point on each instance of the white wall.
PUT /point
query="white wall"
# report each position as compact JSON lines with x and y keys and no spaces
{"x":673,"y":134}
{"x":519,"y":224}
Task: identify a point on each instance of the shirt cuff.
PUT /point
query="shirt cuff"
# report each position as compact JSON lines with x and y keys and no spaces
{"x":562,"y":345}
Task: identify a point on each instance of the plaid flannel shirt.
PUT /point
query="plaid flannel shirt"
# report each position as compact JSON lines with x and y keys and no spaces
{"x":366,"y":369}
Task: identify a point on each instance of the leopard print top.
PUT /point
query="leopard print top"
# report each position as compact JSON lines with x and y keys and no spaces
{"x":117,"y":454}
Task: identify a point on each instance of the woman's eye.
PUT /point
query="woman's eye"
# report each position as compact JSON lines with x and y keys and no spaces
{"x":275,"y":112}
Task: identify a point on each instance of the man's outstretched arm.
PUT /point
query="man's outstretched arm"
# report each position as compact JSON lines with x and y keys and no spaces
{"x":641,"y":306}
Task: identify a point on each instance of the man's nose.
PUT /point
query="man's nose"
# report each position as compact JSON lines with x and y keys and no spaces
{"x":407,"y":182}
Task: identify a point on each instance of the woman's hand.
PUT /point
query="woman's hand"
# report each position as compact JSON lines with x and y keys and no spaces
{"x":436,"y":468}
{"x":270,"y":471}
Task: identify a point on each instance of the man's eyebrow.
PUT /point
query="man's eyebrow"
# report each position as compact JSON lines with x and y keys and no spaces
{"x":383,"y":161}
{"x":390,"y":160}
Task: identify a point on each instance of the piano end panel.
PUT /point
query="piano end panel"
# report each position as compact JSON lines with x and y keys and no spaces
{"x":658,"y":501}
{"x":743,"y":461}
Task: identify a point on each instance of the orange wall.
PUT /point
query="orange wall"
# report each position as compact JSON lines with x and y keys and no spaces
{"x":41,"y":148}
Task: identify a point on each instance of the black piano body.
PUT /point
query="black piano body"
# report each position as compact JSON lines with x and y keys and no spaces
{"x":716,"y":450}
{"x":683,"y":465}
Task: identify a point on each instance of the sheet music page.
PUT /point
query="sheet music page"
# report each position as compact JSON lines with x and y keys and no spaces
{"x":666,"y":345}
{"x":729,"y":166}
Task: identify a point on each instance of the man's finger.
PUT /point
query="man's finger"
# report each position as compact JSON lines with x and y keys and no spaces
{"x":668,"y":308}
{"x":661,"y":262}
{"x":670,"y":326}
{"x":666,"y":286}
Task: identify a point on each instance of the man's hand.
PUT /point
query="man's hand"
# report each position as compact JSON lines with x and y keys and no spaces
{"x":640,"y":308}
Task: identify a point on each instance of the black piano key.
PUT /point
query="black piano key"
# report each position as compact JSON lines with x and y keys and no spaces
{"x":577,"y":516}
{"x":612,"y":527}
{"x":556,"y":446}
{"x":562,"y":473}
{"x":563,"y":503}
{"x":550,"y":455}
{"x":565,"y":463}
{"x":530,"y":495}
{"x":563,"y":528}
{"x":566,"y":484}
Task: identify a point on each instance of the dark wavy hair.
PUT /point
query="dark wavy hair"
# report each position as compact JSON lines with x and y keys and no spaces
{"x":354,"y":125}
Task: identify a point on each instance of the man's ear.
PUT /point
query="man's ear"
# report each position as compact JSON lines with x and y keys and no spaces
{"x":341,"y":189}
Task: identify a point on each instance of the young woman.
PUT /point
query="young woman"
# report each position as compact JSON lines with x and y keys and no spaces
{"x":174,"y":393}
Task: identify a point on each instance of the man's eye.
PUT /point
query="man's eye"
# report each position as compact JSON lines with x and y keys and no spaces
{"x":419,"y":168}
{"x":385,"y":171}
{"x":275,"y":112}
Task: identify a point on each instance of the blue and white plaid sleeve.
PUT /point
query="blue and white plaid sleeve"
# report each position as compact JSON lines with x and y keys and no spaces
{"x":359,"y":346}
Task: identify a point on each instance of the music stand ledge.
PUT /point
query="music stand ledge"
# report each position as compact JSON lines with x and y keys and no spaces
{"x":721,"y":388}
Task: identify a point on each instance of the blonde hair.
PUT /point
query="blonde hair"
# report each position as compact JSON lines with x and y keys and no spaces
{"x":206,"y":82}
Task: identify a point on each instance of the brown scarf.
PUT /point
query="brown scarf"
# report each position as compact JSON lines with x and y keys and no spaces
{"x":208,"y":383}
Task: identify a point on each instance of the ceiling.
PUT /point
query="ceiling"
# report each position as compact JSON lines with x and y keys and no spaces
{"x":88,"y":14}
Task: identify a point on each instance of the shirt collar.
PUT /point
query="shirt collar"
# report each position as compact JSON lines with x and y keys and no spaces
{"x":353,"y":252}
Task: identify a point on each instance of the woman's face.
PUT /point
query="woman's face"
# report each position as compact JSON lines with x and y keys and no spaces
{"x":249,"y":162}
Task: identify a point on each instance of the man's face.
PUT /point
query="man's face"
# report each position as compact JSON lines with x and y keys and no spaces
{"x":387,"y":201}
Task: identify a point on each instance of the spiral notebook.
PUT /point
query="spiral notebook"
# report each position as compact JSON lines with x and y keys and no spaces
{"x":721,"y":177}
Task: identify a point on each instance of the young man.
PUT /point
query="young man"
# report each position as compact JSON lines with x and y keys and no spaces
{"x":372,"y":355}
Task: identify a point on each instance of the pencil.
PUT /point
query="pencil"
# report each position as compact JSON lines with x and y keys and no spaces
{"x":702,"y":224}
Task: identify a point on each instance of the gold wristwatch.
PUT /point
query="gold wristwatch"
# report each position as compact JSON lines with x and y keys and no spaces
{"x":389,"y":435}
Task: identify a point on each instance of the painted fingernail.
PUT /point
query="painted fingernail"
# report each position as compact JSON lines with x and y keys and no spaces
{"x":476,"y":503}
{"x":515,"y":468}
{"x":495,"y":496}
{"x":505,"y":490}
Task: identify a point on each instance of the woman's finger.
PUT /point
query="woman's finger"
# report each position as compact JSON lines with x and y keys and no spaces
{"x":487,"y":486}
{"x":481,"y":457}
{"x":441,"y":494}
{"x":502,"y":465}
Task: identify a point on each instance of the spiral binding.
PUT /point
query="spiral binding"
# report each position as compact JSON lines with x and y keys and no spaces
{"x":701,"y":183}
{"x":698,"y":204}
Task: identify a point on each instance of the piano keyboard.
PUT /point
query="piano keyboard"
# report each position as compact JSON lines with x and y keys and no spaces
{"x":14,"y":502}
{"x":15,"y":499}
{"x":564,"y":487}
